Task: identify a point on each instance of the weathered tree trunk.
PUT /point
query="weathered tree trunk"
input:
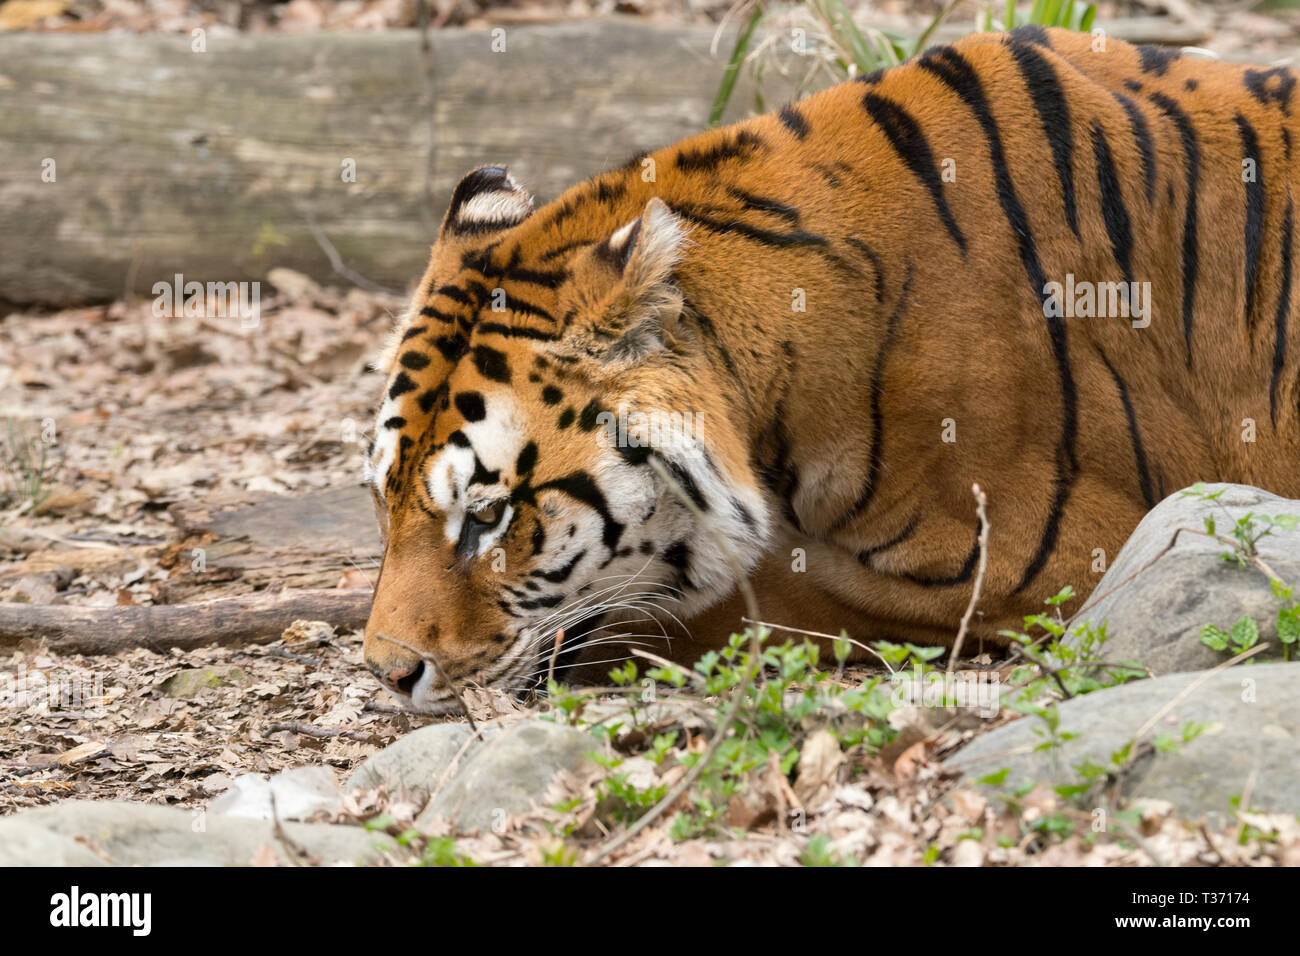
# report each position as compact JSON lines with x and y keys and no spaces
{"x":247,"y":619}
{"x":222,"y":164}
{"x":216,"y":164}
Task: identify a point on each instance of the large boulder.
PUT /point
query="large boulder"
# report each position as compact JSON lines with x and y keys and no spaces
{"x":1156,"y":619}
{"x":1252,"y":741}
{"x":413,"y":766}
{"x":510,"y":774}
{"x":142,"y":834}
{"x":24,"y":843}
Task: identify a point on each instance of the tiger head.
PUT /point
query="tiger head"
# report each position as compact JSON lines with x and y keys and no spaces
{"x":541,"y":461}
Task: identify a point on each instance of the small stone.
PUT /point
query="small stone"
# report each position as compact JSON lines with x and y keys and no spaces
{"x":188,"y":683}
{"x":300,"y":631}
{"x":299,"y":794}
{"x":967,"y":853}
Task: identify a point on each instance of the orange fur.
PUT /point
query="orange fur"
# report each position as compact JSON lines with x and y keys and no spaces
{"x":670,"y":284}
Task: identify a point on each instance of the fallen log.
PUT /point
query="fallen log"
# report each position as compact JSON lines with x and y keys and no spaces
{"x":246,"y":619}
{"x":131,"y":159}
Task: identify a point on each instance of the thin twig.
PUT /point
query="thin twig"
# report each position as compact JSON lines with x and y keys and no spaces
{"x":555,"y":654}
{"x":1200,"y":679}
{"x":320,"y":733}
{"x":830,"y":637}
{"x":337,"y":263}
{"x":981,"y":504}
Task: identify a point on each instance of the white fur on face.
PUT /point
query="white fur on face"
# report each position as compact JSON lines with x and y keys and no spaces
{"x":497,"y":441}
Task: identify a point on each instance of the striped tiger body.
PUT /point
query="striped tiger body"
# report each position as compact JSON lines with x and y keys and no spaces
{"x":788,"y":348}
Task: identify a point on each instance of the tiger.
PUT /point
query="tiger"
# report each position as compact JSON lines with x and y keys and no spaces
{"x":1049,"y":264}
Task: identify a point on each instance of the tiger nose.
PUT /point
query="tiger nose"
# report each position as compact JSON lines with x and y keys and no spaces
{"x":401,"y":679}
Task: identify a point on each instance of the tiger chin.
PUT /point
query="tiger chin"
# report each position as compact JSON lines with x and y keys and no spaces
{"x":787,"y":349}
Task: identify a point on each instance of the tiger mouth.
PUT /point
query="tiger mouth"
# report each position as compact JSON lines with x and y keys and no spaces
{"x":442,"y":699}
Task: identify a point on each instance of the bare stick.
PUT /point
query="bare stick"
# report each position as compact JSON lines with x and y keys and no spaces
{"x":981,"y":504}
{"x":829,"y":637}
{"x":555,"y":654}
{"x":320,"y":733}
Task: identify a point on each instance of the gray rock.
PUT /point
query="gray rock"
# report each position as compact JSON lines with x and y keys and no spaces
{"x":415,"y":764}
{"x":509,"y":774}
{"x":299,"y":793}
{"x":1156,"y":618}
{"x":1253,"y":729}
{"x":23,"y":843}
{"x":140,"y":834}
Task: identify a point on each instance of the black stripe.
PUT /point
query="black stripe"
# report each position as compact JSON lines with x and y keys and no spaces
{"x":913,"y":149}
{"x":515,"y":304}
{"x":954,"y":71}
{"x":455,"y":294}
{"x":1142,"y":134}
{"x":1156,"y":59}
{"x":863,"y":247}
{"x":1283,"y":310}
{"x":1257,"y":81}
{"x":1054,"y":113}
{"x":1254,"y":214}
{"x":1192,"y":153}
{"x":561,"y":574}
{"x":401,"y":385}
{"x":1113,"y":210}
{"x":710,"y":332}
{"x":438,"y":314}
{"x":581,"y":487}
{"x":761,"y":204}
{"x":550,"y":280}
{"x":793,"y":120}
{"x":864,"y":557}
{"x":515,"y":331}
{"x":742,"y":145}
{"x":961,"y":577}
{"x":765,"y":236}
{"x":877,"y":416}
{"x":1031,"y":33}
{"x":1135,"y":436}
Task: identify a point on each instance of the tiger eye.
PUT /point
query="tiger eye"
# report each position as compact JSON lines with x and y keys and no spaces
{"x":487,"y":514}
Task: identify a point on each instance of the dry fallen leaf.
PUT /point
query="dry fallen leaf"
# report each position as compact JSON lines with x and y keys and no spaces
{"x":911,"y":760}
{"x":91,"y":748}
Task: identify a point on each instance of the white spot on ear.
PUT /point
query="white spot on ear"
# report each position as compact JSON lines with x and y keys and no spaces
{"x":500,"y":207}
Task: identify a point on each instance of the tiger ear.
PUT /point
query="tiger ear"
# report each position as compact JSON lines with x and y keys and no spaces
{"x":646,"y":251}
{"x":486,"y":200}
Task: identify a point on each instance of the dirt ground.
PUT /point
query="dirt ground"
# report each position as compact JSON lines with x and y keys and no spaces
{"x":151,"y":418}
